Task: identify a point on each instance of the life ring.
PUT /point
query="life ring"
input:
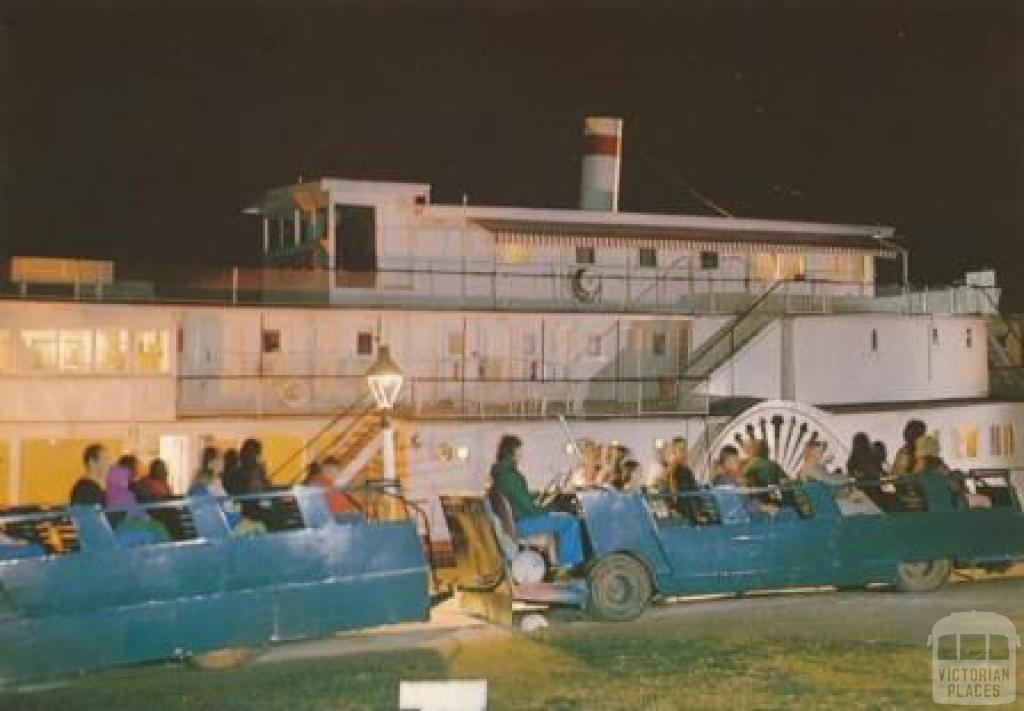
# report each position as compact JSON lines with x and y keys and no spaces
{"x":585,"y":289}
{"x":295,"y":393}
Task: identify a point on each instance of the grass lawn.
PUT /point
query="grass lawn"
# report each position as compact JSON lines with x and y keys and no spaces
{"x":637,"y":666}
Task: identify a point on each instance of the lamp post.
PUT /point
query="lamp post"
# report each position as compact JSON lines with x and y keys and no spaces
{"x":385,"y":380}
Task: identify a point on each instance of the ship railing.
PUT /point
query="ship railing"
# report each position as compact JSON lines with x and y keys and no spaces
{"x":675,"y":288}
{"x":444,"y":397}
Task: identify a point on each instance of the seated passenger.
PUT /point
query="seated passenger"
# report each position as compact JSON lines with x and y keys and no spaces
{"x":627,"y":478}
{"x":759,"y":470}
{"x":728,"y":468}
{"x":850,"y":500}
{"x":586,"y":474}
{"x":207,"y":479}
{"x":679,"y":479}
{"x":325,"y":476}
{"x":903,"y":463}
{"x":530,"y":519}
{"x":927,"y":458}
{"x":863,"y":464}
{"x":136,"y":528}
{"x":154,"y":486}
{"x":88,"y":490}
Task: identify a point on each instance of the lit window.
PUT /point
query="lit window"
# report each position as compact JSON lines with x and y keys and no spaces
{"x":709,"y":260}
{"x":995,"y":441}
{"x":648,"y":257}
{"x":152,"y":351}
{"x":5,"y":351}
{"x":1009,"y":440}
{"x":585,"y":255}
{"x":659,"y":343}
{"x":456,"y":344}
{"x":790,"y":266}
{"x":364,"y":343}
{"x":113,"y":348}
{"x":75,"y":351}
{"x":39,"y":350}
{"x":271,"y":340}
{"x":514,"y":254}
{"x":594,"y":345}
{"x":967,"y":441}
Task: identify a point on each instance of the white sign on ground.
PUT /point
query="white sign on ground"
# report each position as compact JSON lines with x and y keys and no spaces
{"x":456,"y":695}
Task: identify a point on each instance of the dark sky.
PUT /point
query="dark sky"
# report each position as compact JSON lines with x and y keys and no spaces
{"x":137,"y":130}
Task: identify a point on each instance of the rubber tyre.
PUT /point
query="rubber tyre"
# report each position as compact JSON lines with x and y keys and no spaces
{"x":226,"y":658}
{"x":619,"y":588}
{"x":923,"y":577}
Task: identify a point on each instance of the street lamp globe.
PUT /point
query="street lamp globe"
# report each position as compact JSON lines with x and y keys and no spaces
{"x":385,"y":379}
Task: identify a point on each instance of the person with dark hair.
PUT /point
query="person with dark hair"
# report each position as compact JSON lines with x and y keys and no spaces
{"x":728,"y":467}
{"x":154,"y":486}
{"x":207,"y":478}
{"x":252,"y":471}
{"x":88,"y":490}
{"x":903,"y":463}
{"x":627,"y":475}
{"x":531,"y":519}
{"x":863,"y":464}
{"x":881,"y":456}
{"x":230,"y":474}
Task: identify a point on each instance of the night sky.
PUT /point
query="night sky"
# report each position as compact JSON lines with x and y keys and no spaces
{"x":137,"y":130}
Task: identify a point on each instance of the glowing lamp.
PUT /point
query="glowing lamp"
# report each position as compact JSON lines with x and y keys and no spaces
{"x":385,"y":379}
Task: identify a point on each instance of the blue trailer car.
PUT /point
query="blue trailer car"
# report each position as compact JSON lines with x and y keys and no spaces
{"x":82,"y":596}
{"x":640,"y":548}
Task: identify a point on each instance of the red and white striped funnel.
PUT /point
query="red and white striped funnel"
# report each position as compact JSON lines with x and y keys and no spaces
{"x":602,"y":161}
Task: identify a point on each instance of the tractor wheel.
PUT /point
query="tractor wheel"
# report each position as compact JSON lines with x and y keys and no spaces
{"x":620,"y":588}
{"x":923,"y":577}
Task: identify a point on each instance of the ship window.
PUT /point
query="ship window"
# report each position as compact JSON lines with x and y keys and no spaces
{"x":364,"y":343}
{"x":1001,"y":440}
{"x":151,"y":351}
{"x":5,"y":351}
{"x":113,"y":348}
{"x":456,"y":344}
{"x":935,"y":336}
{"x":39,"y":350}
{"x":659,"y":343}
{"x":874,"y":339}
{"x":271,"y":340}
{"x":709,"y":260}
{"x":648,"y":257}
{"x":594,"y":345}
{"x":970,"y":338}
{"x":585,"y":255}
{"x":967,"y":441}
{"x":514,"y":254}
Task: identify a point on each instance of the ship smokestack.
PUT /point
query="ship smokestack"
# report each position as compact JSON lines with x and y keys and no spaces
{"x":602,"y":160}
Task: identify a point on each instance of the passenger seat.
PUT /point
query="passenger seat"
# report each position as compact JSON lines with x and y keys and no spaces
{"x":504,"y":524}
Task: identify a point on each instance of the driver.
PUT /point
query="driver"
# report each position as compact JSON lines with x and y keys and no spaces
{"x":531,"y":519}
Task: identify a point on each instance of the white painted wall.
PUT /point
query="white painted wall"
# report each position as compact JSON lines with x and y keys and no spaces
{"x":833,"y":361}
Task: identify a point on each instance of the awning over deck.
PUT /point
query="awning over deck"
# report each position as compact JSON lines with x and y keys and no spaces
{"x":526,"y":231}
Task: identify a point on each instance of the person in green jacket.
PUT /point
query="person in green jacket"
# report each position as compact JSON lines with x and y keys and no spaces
{"x":530,"y":518}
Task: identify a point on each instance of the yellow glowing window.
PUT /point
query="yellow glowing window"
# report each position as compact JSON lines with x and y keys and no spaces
{"x":75,"y":351}
{"x":515,"y":254}
{"x":113,"y":349}
{"x":151,"y":351}
{"x":5,"y":351}
{"x":967,"y":441}
{"x":39,"y":350}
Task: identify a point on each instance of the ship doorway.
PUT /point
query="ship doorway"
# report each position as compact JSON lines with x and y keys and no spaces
{"x":174,"y":452}
{"x":650,"y":363}
{"x":355,"y":245}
